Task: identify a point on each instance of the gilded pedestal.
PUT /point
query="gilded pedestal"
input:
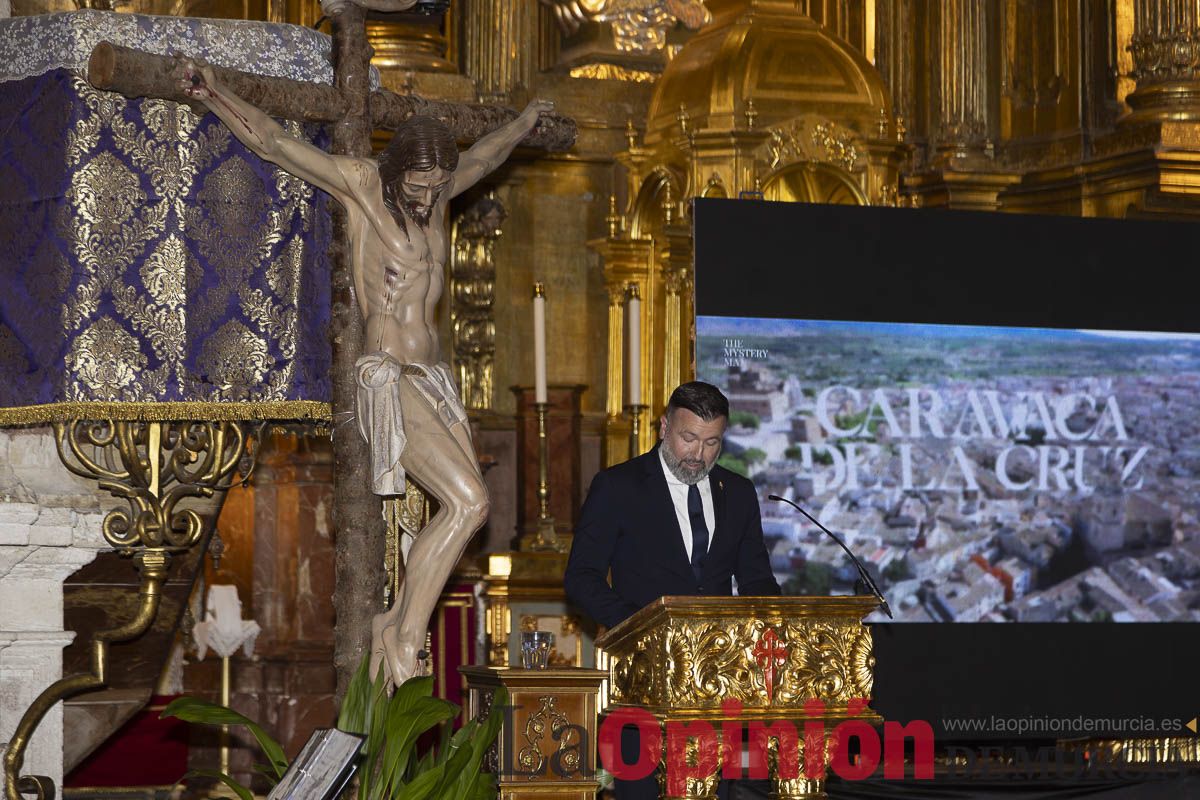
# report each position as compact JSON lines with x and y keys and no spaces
{"x":547,"y":747}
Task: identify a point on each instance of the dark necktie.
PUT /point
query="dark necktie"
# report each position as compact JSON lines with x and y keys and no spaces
{"x":699,"y":530}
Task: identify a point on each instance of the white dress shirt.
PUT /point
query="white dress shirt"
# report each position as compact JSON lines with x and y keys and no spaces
{"x":679,"y":493}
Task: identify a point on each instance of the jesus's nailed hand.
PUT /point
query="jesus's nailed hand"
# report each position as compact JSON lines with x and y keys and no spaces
{"x":194,"y":77}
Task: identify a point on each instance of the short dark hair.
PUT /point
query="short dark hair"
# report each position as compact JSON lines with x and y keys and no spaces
{"x":702,"y":399}
{"x":419,"y":144}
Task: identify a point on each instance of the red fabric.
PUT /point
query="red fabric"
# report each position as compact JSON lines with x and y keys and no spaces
{"x":457,"y":648}
{"x":146,"y":751}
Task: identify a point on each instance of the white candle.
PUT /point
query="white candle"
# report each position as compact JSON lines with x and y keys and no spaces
{"x":539,"y":343}
{"x":635,"y":346}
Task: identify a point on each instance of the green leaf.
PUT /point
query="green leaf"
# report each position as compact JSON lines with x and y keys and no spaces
{"x":267,"y":772}
{"x":357,"y":700}
{"x":404,"y":725}
{"x":375,"y":709}
{"x":241,"y":791}
{"x":422,"y":786}
{"x":484,"y":787}
{"x":193,"y":709}
{"x":480,"y":740}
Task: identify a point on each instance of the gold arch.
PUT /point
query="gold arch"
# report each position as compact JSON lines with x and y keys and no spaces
{"x":812,"y":182}
{"x":648,"y":215}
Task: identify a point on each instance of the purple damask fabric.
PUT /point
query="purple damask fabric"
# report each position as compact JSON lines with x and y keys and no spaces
{"x":147,"y":257}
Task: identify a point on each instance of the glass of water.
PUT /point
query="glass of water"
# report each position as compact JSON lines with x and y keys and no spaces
{"x":535,"y":649}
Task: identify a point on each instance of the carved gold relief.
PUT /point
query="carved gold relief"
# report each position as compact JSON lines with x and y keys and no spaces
{"x":473,"y":297}
{"x":812,"y":139}
{"x":549,"y":724}
{"x":759,"y":664}
{"x":639,"y":26}
{"x":613,"y":72}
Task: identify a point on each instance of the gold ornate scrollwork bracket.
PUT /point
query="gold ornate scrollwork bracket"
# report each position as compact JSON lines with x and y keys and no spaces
{"x":153,"y":466}
{"x":405,"y":514}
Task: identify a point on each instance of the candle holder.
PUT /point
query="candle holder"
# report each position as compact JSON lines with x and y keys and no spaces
{"x":634,"y":411}
{"x":545,"y":537}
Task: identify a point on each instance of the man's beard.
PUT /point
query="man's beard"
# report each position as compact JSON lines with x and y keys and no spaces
{"x":418,"y":213}
{"x":687,"y":471}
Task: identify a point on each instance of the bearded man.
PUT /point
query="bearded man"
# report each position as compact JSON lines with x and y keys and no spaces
{"x":669,"y":522}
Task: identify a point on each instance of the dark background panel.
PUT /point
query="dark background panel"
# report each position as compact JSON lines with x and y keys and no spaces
{"x":807,"y":261}
{"x":800,"y":261}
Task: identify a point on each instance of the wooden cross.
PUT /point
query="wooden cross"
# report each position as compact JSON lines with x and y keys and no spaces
{"x":354,"y":111}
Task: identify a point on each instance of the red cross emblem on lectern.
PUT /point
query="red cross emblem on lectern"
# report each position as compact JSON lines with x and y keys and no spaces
{"x":769,"y":653}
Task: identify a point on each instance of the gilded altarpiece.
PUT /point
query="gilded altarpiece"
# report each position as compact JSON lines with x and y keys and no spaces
{"x":763,"y":102}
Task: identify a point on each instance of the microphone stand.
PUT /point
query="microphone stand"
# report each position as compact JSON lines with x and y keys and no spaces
{"x":862,"y":571}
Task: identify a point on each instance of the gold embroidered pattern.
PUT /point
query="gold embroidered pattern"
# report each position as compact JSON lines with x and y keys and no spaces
{"x":179,"y":281}
{"x":106,"y":360}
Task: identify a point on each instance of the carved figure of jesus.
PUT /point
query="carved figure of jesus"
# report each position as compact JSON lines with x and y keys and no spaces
{"x":408,"y":406}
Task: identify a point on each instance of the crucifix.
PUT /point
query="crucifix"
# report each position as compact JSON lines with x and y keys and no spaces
{"x":390,"y":248}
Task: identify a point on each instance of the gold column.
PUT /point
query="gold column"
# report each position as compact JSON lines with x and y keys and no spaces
{"x":896,"y":55}
{"x":676,"y":266}
{"x":626,"y":260}
{"x":473,"y":298}
{"x":410,"y":42}
{"x":962,"y":60}
{"x":500,"y":43}
{"x":616,"y":353}
{"x":1166,"y":60}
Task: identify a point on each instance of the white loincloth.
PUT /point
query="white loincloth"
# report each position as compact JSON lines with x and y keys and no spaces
{"x":380,"y":417}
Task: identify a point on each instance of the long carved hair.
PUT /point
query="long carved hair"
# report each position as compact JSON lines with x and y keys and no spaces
{"x":419,"y":144}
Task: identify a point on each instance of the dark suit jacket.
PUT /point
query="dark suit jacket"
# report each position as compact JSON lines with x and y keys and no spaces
{"x":628,"y":525}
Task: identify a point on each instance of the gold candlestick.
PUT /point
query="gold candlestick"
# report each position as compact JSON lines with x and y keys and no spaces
{"x":635,"y":428}
{"x":222,"y":790}
{"x":225,"y":682}
{"x":546,"y":538}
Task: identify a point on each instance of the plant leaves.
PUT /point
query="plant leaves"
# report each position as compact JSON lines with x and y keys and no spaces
{"x":475,"y":748}
{"x":241,"y":791}
{"x":404,"y":726}
{"x":422,"y":786}
{"x":193,"y":709}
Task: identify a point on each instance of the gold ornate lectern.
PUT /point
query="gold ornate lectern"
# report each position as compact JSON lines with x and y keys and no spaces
{"x":682,"y":658}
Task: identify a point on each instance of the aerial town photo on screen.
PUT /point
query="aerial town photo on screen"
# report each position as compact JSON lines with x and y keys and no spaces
{"x":982,"y":474}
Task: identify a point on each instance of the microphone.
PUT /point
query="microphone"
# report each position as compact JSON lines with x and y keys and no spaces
{"x":862,"y":571}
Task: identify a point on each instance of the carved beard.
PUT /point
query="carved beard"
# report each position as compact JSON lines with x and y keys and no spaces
{"x":418,"y":213}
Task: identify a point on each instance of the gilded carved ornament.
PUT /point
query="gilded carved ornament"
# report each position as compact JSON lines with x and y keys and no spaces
{"x":639,"y":26}
{"x":813,"y":139}
{"x":759,"y":664}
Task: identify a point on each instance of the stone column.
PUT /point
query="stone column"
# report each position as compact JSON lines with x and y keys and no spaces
{"x":49,"y":528}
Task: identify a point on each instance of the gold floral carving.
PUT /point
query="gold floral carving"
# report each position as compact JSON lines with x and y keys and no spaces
{"x":811,"y":138}
{"x":711,"y":661}
{"x":549,"y":720}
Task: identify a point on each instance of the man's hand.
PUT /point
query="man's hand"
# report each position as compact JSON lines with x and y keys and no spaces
{"x":536,"y":108}
{"x":195,"y":77}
